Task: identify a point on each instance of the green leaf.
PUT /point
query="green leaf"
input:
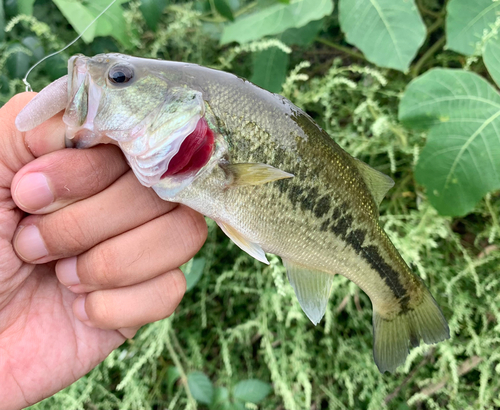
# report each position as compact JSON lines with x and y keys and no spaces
{"x":25,"y":7}
{"x":275,"y":19}
{"x":11,"y":9}
{"x":491,"y":58}
{"x":302,"y":36}
{"x":461,"y":160}
{"x":19,"y":62}
{"x":269,"y":69}
{"x":151,"y":11}
{"x":388,"y":35}
{"x":465,"y":22}
{"x":223,"y":9}
{"x":35,"y":46}
{"x":221,"y":399}
{"x":81,"y":14}
{"x":252,"y":390}
{"x":173,"y":375}
{"x":192,"y":271}
{"x":201,"y":387}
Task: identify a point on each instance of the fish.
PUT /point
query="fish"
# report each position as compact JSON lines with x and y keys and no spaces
{"x":264,"y":170}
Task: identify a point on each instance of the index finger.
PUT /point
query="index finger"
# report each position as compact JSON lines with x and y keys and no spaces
{"x":23,"y":147}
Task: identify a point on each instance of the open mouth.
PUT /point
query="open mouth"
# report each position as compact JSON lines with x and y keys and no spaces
{"x":194,"y":152}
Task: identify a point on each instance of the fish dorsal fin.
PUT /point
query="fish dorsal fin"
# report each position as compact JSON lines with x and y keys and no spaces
{"x":252,"y":248}
{"x":254,"y":174}
{"x":377,"y":182}
{"x":312,"y":288}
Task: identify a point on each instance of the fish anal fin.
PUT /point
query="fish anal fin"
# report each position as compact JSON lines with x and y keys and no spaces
{"x":377,"y":182}
{"x":254,"y":174}
{"x":394,"y":335}
{"x":252,"y":248}
{"x":312,"y":288}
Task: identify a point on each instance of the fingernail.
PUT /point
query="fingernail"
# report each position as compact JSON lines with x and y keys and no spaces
{"x":79,"y":309}
{"x":29,"y":244}
{"x":66,"y":271}
{"x":33,"y":192}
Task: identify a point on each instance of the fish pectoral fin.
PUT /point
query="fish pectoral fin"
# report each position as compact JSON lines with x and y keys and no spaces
{"x":254,"y":174}
{"x":252,"y":248}
{"x":377,"y":182}
{"x":312,"y":288}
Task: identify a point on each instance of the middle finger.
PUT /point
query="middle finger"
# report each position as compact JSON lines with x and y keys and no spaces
{"x":138,"y":255}
{"x":78,"y":227}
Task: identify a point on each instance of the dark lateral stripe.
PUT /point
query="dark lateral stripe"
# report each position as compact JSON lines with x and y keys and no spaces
{"x":339,"y":222}
{"x":371,"y":254}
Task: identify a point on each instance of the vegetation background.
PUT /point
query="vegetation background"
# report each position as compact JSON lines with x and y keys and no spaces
{"x":408,"y":86}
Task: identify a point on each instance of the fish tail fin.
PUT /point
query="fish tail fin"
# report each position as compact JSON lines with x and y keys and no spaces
{"x":394,"y":334}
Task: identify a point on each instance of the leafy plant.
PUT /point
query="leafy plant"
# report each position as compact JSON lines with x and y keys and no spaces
{"x":405,"y":86}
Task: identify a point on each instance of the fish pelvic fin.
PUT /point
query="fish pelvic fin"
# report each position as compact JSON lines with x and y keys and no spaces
{"x":254,"y":174}
{"x":393,"y":335}
{"x":252,"y":248}
{"x":312,"y":289}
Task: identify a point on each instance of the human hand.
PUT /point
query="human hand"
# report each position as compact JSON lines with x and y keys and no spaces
{"x":117,"y":244}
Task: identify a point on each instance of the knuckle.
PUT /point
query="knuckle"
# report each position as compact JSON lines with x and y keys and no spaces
{"x":96,"y":169}
{"x":98,"y":267}
{"x":65,"y":234}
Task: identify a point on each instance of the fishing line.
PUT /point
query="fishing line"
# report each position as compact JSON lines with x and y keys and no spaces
{"x":25,"y":79}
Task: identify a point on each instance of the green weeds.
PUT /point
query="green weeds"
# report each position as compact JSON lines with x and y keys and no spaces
{"x":239,"y":335}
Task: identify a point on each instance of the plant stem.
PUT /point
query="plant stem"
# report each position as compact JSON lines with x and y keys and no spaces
{"x":418,"y":66}
{"x":178,"y":364}
{"x":340,"y":48}
{"x":434,"y":26}
{"x":424,"y":10}
{"x":496,"y":226}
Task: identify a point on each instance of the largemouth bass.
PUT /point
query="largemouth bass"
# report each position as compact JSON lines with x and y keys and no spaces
{"x":259,"y":166}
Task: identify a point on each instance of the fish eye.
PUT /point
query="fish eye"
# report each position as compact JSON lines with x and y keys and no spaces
{"x":120,"y":74}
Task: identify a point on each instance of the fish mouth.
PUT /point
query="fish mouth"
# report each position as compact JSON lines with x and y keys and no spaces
{"x":164,"y":144}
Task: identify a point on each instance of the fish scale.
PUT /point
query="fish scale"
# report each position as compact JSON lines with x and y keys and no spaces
{"x":275,"y":182}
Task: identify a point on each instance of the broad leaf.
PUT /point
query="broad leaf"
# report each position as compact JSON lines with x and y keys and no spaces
{"x":35,"y":46}
{"x":173,"y":375}
{"x":221,"y":399}
{"x":192,"y":271}
{"x":461,"y":160}
{"x":223,"y":9}
{"x":151,"y":11}
{"x":269,"y":69}
{"x":466,"y":21}
{"x":81,"y":14}
{"x":251,"y":390}
{"x":388,"y":32}
{"x":201,"y":387}
{"x":19,"y":62}
{"x":491,"y":58}
{"x":302,"y":36}
{"x":25,"y":7}
{"x":275,"y":19}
